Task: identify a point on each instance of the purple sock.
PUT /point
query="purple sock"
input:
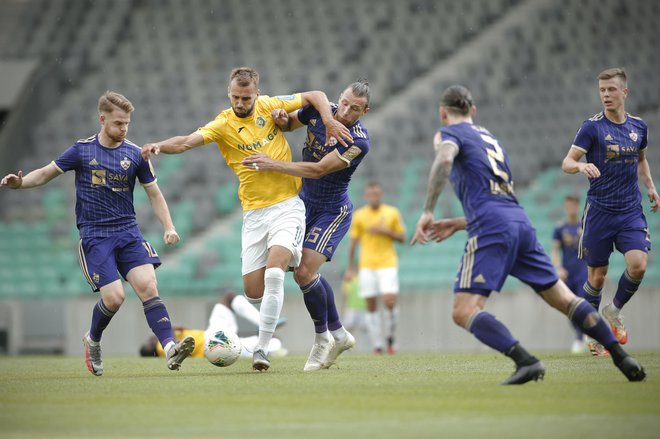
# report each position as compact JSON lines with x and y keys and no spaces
{"x":333,"y":315}
{"x":158,"y":320}
{"x":491,"y":332}
{"x":627,"y":288}
{"x":315,"y":298}
{"x":583,"y":314}
{"x":101,"y":317}
{"x":591,"y":294}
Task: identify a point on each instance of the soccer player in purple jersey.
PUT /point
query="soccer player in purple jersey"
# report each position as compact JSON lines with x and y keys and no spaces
{"x":501,"y":240}
{"x":326,"y":169}
{"x":614,"y":143}
{"x":106,"y":167}
{"x":571,"y":269}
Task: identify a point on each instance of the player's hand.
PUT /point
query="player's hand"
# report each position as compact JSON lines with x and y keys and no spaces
{"x":421,"y":231}
{"x":12,"y":181}
{"x":443,"y":229}
{"x":171,"y":237}
{"x":590,"y":170}
{"x":281,"y":118}
{"x":149,"y":149}
{"x":379,"y":229}
{"x":338,"y":131}
{"x":259,"y":162}
{"x":654,"y":198}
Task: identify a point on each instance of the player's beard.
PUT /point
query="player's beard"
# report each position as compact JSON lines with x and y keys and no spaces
{"x":244,"y":113}
{"x":117,"y":137}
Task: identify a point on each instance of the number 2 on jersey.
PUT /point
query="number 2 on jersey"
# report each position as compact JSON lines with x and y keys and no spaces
{"x":495,"y":156}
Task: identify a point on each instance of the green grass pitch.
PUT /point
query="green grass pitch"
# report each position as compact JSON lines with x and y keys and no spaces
{"x":407,"y":396}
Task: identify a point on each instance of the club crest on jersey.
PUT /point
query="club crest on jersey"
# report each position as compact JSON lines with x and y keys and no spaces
{"x":332,"y":141}
{"x":96,"y":278}
{"x":633,"y":136}
{"x":260,"y":121}
{"x":125,"y":163}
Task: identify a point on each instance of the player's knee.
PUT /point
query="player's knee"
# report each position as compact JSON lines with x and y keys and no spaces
{"x":303,"y":275}
{"x":460,"y":315}
{"x":597,"y":279}
{"x":113,"y":300}
{"x":637,"y":269}
{"x":147,"y":289}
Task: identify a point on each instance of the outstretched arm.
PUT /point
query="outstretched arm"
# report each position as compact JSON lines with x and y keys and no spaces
{"x":333,"y":128}
{"x":173,"y":145}
{"x":286,"y":121}
{"x":38,"y":177}
{"x":445,"y":152}
{"x":332,"y":162}
{"x":644,"y":173}
{"x":161,"y":210}
{"x":573,"y":165}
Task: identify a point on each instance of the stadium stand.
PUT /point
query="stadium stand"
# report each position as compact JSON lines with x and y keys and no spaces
{"x":530,"y":65}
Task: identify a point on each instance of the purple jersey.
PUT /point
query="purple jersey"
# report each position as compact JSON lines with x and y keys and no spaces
{"x":614,"y":148}
{"x":568,"y":236}
{"x":331,"y":189}
{"x":481,"y":176}
{"x":105,"y":179}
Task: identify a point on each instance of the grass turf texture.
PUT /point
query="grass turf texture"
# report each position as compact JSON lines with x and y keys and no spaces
{"x":424,"y":395}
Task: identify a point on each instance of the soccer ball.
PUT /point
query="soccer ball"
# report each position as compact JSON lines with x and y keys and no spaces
{"x":222,"y":348}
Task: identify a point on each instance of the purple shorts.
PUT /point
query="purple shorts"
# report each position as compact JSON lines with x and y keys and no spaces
{"x":603,"y":231}
{"x":326,"y":227}
{"x":103,"y":259}
{"x":511,"y":249}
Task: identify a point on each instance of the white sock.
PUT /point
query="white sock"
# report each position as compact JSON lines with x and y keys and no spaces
{"x":271,"y":305}
{"x":614,"y":308}
{"x":339,"y":334}
{"x":323,"y":337}
{"x":372,"y":320}
{"x":168,"y":346}
{"x":391,"y":318}
{"x":241,"y":306}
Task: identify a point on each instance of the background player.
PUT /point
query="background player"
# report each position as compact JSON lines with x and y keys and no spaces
{"x":223,"y":317}
{"x":274,"y":215}
{"x":501,"y":240}
{"x":106,"y":167}
{"x":571,"y":269}
{"x":375,"y":228}
{"x":614,"y":143}
{"x":327,"y":168}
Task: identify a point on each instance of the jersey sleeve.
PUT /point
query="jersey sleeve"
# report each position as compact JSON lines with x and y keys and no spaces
{"x":448,"y":136}
{"x":644,"y":142}
{"x":145,"y":173}
{"x":307,"y":113}
{"x":556,"y":234}
{"x":585,"y":136}
{"x":212,"y":131}
{"x":70,"y":159}
{"x":397,"y":222}
{"x":288,"y":102}
{"x":353,"y":154}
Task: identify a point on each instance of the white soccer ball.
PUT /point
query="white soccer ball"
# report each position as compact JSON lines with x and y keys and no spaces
{"x":222,"y":348}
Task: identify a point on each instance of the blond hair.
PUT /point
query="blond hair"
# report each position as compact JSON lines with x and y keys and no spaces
{"x":111,"y":100}
{"x":244,"y":76}
{"x":615,"y":72}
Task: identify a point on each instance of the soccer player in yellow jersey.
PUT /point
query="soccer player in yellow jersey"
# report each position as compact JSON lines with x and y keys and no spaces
{"x":376,"y":227}
{"x":274,"y":216}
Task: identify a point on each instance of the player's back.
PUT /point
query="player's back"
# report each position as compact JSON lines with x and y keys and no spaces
{"x":331,"y":189}
{"x":481,"y":176}
{"x":614,"y":148}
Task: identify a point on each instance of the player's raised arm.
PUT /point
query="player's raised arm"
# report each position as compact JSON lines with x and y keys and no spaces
{"x":644,"y":173}
{"x":572,"y":164}
{"x":286,"y":121}
{"x":161,"y":210}
{"x":38,"y":177}
{"x":333,"y":128}
{"x":445,"y":153}
{"x":173,"y":145}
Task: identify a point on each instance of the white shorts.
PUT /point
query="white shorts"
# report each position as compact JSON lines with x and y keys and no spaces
{"x":281,"y":224}
{"x":377,"y":282}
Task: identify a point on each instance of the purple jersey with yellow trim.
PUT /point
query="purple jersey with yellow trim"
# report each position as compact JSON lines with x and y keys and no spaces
{"x":105,"y":179}
{"x":614,"y":148}
{"x":331,"y":189}
{"x":481,"y":176}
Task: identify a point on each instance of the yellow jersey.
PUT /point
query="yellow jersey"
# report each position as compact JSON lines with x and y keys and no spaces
{"x":181,"y":333}
{"x":239,"y":137}
{"x":377,"y":250}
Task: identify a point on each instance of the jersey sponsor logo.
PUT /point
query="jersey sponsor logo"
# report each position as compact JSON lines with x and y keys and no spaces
{"x":259,"y":143}
{"x":98,"y":177}
{"x":260,"y":121}
{"x":633,"y":136}
{"x":93,"y":162}
{"x":612,"y":152}
{"x":286,"y":97}
{"x":125,"y":163}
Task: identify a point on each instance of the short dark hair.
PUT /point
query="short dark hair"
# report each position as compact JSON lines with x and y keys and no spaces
{"x":457,"y":99}
{"x":360,"y":89}
{"x":572,"y":197}
{"x":614,"y":72}
{"x":244,"y":76}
